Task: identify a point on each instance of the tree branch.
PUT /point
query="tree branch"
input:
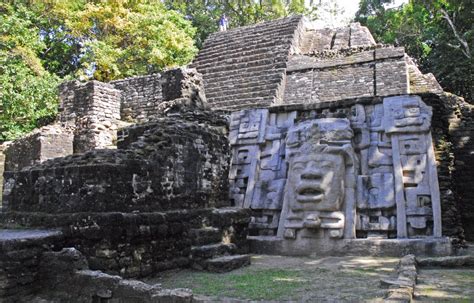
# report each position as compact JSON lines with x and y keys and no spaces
{"x":466,"y":51}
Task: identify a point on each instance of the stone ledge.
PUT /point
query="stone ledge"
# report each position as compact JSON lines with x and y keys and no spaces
{"x":355,"y":247}
{"x":449,"y":261}
{"x":402,"y":289}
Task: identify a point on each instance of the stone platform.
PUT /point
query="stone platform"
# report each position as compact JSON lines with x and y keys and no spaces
{"x":20,"y":254}
{"x":356,"y":247}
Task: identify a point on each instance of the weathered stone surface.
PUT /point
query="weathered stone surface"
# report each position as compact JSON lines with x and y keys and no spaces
{"x":244,"y":67}
{"x":92,"y":111}
{"x":320,"y":157}
{"x":402,"y":288}
{"x":174,"y":165}
{"x":140,"y":244}
{"x":227,"y":263}
{"x":20,"y":254}
{"x":65,"y":276}
{"x":388,"y":169}
{"x":450,"y":261}
{"x":44,"y":143}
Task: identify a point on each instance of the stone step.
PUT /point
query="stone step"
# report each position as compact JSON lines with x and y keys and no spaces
{"x":236,"y":37}
{"x":239,"y":33}
{"x":264,"y":31}
{"x":226,"y":263}
{"x":242,"y":89}
{"x":239,"y":63}
{"x":280,"y":43}
{"x":238,"y":104}
{"x":250,"y":82}
{"x":241,"y":96}
{"x":212,"y":250}
{"x":206,"y":235}
{"x":259,"y":71}
{"x":278,"y":53}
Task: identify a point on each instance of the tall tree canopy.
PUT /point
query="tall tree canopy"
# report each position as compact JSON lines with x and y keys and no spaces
{"x":44,"y":41}
{"x":437,"y":33}
{"x":27,"y":89}
{"x":205,"y":14}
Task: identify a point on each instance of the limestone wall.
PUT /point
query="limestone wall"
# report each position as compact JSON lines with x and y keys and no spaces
{"x":461,"y":129}
{"x":140,"y":97}
{"x":174,"y":165}
{"x":140,"y":244}
{"x":20,"y":254}
{"x":45,"y":143}
{"x":334,"y":75}
{"x":65,"y":274}
{"x":92,"y":111}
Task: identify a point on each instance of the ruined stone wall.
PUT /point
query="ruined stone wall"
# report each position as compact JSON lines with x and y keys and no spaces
{"x":143,"y":207}
{"x":45,"y":143}
{"x":463,"y":136}
{"x":174,"y":165}
{"x":20,"y":260}
{"x":139,"y":244}
{"x":140,"y":97}
{"x":92,"y":110}
{"x":332,"y":75}
{"x":65,"y":275}
{"x":461,"y":130}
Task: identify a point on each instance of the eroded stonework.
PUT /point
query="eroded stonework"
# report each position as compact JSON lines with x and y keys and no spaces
{"x":321,"y":163}
{"x":356,"y":172}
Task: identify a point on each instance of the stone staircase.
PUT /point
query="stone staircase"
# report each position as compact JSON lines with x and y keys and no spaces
{"x":211,"y":254}
{"x":244,"y":67}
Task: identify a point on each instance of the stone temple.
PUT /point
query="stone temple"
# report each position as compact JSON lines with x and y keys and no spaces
{"x":279,"y":139}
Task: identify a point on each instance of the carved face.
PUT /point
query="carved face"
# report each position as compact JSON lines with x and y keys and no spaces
{"x":316,"y":182}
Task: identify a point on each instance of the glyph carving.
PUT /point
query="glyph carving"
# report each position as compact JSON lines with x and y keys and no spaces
{"x":315,"y":174}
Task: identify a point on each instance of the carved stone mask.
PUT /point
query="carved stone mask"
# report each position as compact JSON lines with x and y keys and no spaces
{"x":317,"y":182}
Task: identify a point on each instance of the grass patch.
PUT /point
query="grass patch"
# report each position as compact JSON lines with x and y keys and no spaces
{"x":268,"y":284}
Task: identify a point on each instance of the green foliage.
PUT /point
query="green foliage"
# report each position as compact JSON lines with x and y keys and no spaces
{"x":43,"y":42}
{"x":127,"y":38}
{"x":28,"y":91}
{"x":438,"y":34}
{"x":205,"y":15}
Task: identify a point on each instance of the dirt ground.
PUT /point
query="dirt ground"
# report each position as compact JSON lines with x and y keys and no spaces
{"x":445,"y":285}
{"x":332,"y":279}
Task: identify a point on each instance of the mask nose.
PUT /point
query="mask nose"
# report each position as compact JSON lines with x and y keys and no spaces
{"x":311,"y":172}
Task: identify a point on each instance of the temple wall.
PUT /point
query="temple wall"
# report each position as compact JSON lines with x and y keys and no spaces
{"x":140,"y":244}
{"x":140,"y":97}
{"x":92,"y":111}
{"x":461,"y":130}
{"x":46,"y":143}
{"x":20,"y":262}
{"x":336,"y":75}
{"x":259,"y":170}
{"x":143,"y":208}
{"x":245,"y":67}
{"x":174,"y":164}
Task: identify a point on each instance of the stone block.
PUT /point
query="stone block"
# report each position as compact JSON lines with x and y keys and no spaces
{"x":45,"y":143}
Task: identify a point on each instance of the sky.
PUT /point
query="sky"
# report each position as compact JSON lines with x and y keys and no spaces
{"x":346,"y":9}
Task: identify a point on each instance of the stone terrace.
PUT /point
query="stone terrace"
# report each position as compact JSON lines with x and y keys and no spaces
{"x":244,"y":67}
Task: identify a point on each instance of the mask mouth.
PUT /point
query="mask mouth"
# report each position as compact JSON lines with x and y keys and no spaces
{"x":308,"y":194}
